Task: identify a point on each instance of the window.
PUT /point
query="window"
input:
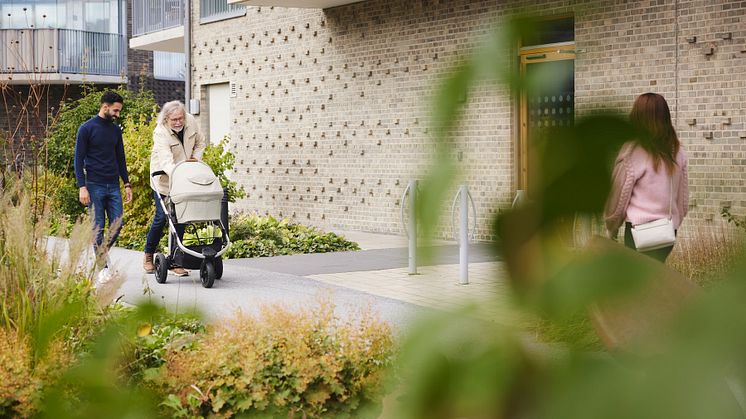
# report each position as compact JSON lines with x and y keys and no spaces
{"x":212,"y":10}
{"x":550,"y":31}
{"x":169,"y":65}
{"x":86,"y":15}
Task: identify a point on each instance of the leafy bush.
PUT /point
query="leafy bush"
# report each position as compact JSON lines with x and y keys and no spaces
{"x":221,"y":160}
{"x":61,"y":143}
{"x":138,"y":143}
{"x":170,"y":333}
{"x":256,"y":236}
{"x":22,"y":379}
{"x":138,"y":120}
{"x":281,"y":364}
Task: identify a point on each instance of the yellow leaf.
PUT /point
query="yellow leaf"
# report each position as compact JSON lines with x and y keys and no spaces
{"x":144,"y":330}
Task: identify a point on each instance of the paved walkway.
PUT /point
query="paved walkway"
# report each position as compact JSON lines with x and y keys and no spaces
{"x":375,"y":278}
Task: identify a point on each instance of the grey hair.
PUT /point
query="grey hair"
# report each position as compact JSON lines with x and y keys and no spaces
{"x":169,"y":108}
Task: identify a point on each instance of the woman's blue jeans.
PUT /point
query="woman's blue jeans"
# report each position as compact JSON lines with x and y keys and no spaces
{"x":156,"y":228}
{"x":106,"y":201}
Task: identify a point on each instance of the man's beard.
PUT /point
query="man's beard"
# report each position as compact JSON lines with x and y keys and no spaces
{"x":110,"y":117}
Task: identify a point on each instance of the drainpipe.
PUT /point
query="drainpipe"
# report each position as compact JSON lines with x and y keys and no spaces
{"x":188,"y":54}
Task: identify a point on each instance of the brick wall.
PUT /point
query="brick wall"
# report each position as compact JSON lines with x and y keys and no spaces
{"x":332,"y":107}
{"x":28,"y":112}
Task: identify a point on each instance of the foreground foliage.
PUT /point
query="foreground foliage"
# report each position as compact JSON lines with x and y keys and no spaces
{"x":66,"y":352}
{"x":670,"y":349}
{"x":281,"y":363}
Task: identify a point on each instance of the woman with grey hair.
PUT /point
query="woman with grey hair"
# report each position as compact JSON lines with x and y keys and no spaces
{"x":176,"y":138}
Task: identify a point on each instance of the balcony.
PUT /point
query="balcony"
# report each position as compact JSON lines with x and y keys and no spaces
{"x":305,"y":4}
{"x":61,"y":56}
{"x":158,"y":25}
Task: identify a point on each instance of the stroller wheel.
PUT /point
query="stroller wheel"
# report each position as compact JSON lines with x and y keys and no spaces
{"x":207,"y":273}
{"x":218,"y":268}
{"x":161,"y":268}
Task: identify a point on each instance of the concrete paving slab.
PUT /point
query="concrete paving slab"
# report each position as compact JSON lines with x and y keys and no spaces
{"x":363,"y":260}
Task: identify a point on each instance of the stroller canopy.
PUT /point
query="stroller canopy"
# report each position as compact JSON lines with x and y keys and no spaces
{"x":195,"y":192}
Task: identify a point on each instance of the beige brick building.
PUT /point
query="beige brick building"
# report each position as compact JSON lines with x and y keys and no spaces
{"x":328,"y":109}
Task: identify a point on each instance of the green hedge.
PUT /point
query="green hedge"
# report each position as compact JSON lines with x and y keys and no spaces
{"x":255,"y":236}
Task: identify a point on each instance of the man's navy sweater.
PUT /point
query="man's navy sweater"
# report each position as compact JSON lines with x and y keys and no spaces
{"x":100,"y":151}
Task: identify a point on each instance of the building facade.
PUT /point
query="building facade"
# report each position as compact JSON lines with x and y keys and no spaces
{"x":328,"y":106}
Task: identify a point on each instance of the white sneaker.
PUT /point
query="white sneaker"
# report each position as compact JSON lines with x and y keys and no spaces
{"x":103,"y":276}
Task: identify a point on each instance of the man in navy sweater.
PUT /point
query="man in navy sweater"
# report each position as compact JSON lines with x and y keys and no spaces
{"x":99,"y":163}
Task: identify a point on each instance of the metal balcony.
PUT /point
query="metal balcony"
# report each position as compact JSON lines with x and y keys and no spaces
{"x":306,"y":4}
{"x":150,"y":16}
{"x":158,"y":25}
{"x":61,"y":56}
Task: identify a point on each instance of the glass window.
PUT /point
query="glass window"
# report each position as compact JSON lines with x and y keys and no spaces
{"x":551,"y":32}
{"x":169,"y":65}
{"x":219,"y":8}
{"x":87,"y":15}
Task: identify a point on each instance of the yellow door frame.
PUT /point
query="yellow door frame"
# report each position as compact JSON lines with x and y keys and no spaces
{"x":533,"y":55}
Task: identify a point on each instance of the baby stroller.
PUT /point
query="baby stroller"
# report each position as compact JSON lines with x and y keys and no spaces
{"x":194,"y":197}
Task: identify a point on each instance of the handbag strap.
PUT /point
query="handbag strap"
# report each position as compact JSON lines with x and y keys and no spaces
{"x":670,"y":202}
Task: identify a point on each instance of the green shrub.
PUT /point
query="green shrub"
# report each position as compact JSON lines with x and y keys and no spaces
{"x":169,"y":333}
{"x":138,"y":143}
{"x":256,"y":236}
{"x":61,"y":142}
{"x":221,"y":161}
{"x":281,"y":364}
{"x":22,"y":379}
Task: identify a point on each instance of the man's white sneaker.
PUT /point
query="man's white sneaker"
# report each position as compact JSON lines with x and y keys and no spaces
{"x":103,"y":276}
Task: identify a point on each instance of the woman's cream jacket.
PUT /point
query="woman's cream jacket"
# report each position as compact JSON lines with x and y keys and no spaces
{"x":168,"y":151}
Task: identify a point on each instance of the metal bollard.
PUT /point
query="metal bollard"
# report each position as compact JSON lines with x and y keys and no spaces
{"x":463,"y":234}
{"x":464,"y":237}
{"x":412,"y":227}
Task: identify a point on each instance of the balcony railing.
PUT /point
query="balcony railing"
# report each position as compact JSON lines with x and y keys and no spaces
{"x":156,"y":15}
{"x":62,"y":51}
{"x":168,"y":65}
{"x":217,"y":9}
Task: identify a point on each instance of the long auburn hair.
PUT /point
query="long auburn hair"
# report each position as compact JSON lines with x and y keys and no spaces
{"x":652,"y":118}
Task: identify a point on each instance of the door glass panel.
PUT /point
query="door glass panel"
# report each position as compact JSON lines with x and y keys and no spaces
{"x":551,"y":107}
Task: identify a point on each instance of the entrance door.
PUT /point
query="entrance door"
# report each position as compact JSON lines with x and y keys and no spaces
{"x":550,"y":106}
{"x":218,"y":101}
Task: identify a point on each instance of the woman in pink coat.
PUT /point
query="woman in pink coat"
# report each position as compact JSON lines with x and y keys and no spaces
{"x":650,"y":179}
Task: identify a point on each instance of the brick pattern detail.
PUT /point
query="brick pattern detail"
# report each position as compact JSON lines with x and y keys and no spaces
{"x":332,"y":110}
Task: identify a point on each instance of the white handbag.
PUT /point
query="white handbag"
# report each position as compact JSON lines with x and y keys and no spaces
{"x":655,"y":234}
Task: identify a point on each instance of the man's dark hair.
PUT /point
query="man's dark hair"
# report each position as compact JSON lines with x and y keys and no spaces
{"x":111,"y":98}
